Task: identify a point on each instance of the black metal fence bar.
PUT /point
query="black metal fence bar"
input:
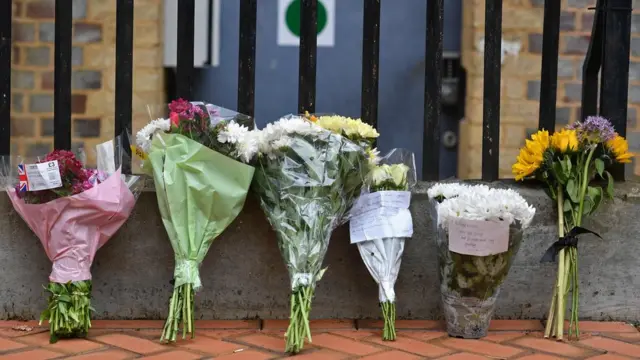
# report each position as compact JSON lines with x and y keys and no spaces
{"x":370,"y":61}
{"x":433,"y":91}
{"x":308,"y":47}
{"x":5,"y":77}
{"x":124,"y":74}
{"x":591,"y":66}
{"x":247,"y":57}
{"x":491,"y":103}
{"x":184,"y":62}
{"x":62,"y":76}
{"x":615,"y":68}
{"x":549,"y":73}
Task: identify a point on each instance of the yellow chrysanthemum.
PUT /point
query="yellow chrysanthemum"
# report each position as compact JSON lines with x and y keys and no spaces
{"x":531,"y":155}
{"x":351,"y":128}
{"x":565,"y":140}
{"x":620,"y":149}
{"x":311,"y":118}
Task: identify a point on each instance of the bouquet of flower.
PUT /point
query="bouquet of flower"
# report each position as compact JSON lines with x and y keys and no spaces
{"x":567,"y":162}
{"x":380,"y":223}
{"x":197,"y":157}
{"x":74,"y":210}
{"x":479,"y":233}
{"x":307,"y":179}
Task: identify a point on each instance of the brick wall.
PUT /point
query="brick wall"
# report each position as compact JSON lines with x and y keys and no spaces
{"x":520,"y":88}
{"x":93,"y":78}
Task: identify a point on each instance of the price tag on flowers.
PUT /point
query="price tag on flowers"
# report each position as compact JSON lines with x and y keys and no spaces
{"x":478,"y":237}
{"x":41,"y":176}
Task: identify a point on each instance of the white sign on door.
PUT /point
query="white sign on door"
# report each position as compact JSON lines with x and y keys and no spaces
{"x":289,"y":22}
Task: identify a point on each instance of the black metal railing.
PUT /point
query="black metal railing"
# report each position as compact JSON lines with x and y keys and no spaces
{"x":608,"y":52}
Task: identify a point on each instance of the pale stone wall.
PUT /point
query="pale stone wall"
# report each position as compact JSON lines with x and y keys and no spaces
{"x":522,"y":24}
{"x":93,"y":63}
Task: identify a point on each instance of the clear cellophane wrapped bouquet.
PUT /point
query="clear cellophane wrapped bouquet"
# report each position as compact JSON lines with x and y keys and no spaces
{"x":74,"y":210}
{"x":479,"y":232}
{"x":197,"y":154}
{"x":381,"y":222}
{"x":307,"y":178}
{"x":568,"y":162}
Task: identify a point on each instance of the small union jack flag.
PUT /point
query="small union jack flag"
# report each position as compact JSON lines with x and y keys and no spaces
{"x":22,"y":176}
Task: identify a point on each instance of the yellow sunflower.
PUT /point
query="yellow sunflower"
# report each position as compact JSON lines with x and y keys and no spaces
{"x":531,"y":155}
{"x":565,"y":140}
{"x":620,"y":149}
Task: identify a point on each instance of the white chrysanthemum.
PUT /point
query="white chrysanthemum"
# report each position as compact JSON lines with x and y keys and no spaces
{"x":374,"y":156}
{"x":486,"y":204}
{"x":232,"y":133}
{"x":247,"y":146}
{"x":144,"y":136}
{"x":274,"y":136}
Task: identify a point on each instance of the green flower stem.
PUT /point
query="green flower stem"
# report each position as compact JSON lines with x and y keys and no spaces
{"x":68,"y":310}
{"x":181,"y":308}
{"x":299,"y":319}
{"x":389,"y":316}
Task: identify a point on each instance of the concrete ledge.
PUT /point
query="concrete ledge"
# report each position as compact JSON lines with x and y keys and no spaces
{"x":244,"y":276}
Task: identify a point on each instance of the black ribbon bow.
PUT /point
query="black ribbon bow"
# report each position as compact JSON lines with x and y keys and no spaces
{"x":569,"y":240}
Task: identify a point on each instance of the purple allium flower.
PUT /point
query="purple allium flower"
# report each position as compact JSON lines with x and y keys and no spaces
{"x":594,"y":129}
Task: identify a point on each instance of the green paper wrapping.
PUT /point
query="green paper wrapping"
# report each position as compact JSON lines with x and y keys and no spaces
{"x":200,"y":192}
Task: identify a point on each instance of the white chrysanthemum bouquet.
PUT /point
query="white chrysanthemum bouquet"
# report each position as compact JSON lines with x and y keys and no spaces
{"x":307,"y":179}
{"x":380,"y":224}
{"x":479,"y":233}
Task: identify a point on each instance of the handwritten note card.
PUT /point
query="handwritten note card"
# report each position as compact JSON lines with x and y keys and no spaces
{"x":381,"y":215}
{"x":478,"y":237}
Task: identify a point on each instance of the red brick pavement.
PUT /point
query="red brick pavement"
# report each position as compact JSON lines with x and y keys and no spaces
{"x":332,"y":339}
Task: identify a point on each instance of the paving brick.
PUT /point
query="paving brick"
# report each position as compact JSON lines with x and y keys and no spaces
{"x":172,"y":355}
{"x":395,"y":355}
{"x":224,"y":334}
{"x":37,"y":354}
{"x":69,"y":346}
{"x":412,"y":346}
{"x":403,"y":324}
{"x":551,"y":346}
{"x":209,"y":345}
{"x":341,"y":344}
{"x":516,"y":325}
{"x":104,"y":355}
{"x":499,"y":337}
{"x":353,"y":334}
{"x":272,"y":343}
{"x":481,"y":347}
{"x":612,"y":326}
{"x":424,"y":335}
{"x":131,"y":343}
{"x":127,"y":324}
{"x":609,"y":357}
{"x":463,"y":356}
{"x":246,"y":355}
{"x":322,"y":354}
{"x":627,"y":337}
{"x":6,"y":345}
{"x":611,"y":345}
{"x":541,"y":357}
{"x":228,"y":324}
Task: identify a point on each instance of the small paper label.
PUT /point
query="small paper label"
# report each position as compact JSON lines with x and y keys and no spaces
{"x":380,"y":215}
{"x":42,"y":176}
{"x":139,"y":152}
{"x":105,"y":157}
{"x":478,"y":237}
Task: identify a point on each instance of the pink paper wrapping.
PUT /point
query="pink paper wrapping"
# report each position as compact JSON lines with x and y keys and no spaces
{"x":73,"y":228}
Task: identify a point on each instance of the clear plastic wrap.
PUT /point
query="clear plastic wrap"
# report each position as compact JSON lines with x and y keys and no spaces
{"x":197,"y":155}
{"x":305,"y":176}
{"x":380,"y":224}
{"x":74,"y":211}
{"x":479,"y":232}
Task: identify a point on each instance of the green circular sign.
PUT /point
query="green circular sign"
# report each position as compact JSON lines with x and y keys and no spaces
{"x":292,"y":17}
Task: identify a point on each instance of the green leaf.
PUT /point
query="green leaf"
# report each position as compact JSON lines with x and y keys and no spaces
{"x":609,"y":184}
{"x":567,"y":206}
{"x":600,"y":167}
{"x":558,"y":173}
{"x":572,"y":190}
{"x":595,"y":194}
{"x":567,"y":166}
